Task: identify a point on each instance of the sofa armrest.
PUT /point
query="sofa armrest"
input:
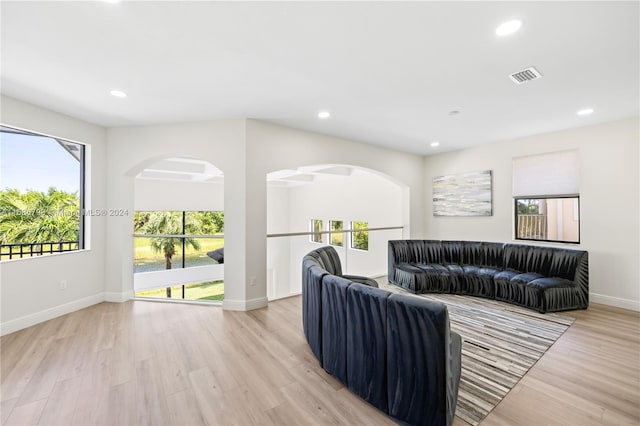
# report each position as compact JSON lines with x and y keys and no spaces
{"x":361,"y":280}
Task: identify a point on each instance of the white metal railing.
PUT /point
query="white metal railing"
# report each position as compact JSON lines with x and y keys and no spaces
{"x":532,"y":226}
{"x":285,"y":252}
{"x":346,"y":231}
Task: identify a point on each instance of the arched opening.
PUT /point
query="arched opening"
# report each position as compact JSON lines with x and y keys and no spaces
{"x":356,"y":210}
{"x":178,"y":230}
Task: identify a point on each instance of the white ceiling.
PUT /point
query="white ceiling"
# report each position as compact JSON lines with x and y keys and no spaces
{"x":388,"y":72}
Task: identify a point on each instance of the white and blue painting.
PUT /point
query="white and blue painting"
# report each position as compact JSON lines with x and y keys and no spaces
{"x":466,"y":194}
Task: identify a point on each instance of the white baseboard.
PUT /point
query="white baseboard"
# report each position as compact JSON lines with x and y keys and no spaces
{"x":297,"y":293}
{"x":51,"y":313}
{"x":118,"y":297}
{"x":244,"y":305}
{"x":618,"y":302}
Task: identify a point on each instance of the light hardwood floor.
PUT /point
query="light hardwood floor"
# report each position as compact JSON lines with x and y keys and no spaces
{"x":159,"y":363}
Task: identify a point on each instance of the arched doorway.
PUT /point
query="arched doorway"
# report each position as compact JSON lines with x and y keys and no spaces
{"x":178,"y":230}
{"x":356,"y":210}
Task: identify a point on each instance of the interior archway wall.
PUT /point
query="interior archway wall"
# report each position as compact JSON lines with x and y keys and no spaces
{"x":359,"y":194}
{"x":245,"y":150}
{"x":271,"y":148}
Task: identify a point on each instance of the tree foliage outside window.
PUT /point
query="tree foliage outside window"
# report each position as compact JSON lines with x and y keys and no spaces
{"x":528,"y":206}
{"x":316,"y":227}
{"x":359,"y":237}
{"x":36,"y":217}
{"x":167,"y":223}
{"x":336,"y":233}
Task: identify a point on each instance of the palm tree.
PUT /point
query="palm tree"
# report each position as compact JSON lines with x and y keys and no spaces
{"x":38,"y":217}
{"x":167,"y":223}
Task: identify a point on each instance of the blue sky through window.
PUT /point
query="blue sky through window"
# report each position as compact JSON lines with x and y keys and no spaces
{"x":36,"y":163}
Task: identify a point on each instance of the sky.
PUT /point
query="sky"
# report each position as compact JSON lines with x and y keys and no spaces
{"x":36,"y":163}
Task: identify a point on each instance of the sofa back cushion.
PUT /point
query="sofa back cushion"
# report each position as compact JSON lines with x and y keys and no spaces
{"x":312,"y":276}
{"x":417,"y":335}
{"x":367,"y":343}
{"x":523,"y":258}
{"x":334,"y":326}
{"x":452,"y":252}
{"x":564,"y":263}
{"x":492,"y":255}
{"x":483,"y":254}
{"x":415,"y":251}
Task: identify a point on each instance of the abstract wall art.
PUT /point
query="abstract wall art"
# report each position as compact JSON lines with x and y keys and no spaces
{"x":466,"y":194}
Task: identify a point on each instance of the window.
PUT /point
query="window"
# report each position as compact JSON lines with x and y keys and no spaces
{"x":548,"y":219}
{"x":336,"y":233}
{"x":316,"y":227}
{"x":359,"y":236}
{"x":176,"y":239}
{"x":42,"y":194}
{"x":546,"y":200}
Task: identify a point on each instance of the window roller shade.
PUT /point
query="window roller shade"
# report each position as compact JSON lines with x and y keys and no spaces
{"x":556,"y":173}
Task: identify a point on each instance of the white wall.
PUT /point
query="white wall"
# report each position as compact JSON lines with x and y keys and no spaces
{"x":609,"y":193}
{"x":164,"y":195}
{"x":31,"y":287}
{"x":278,"y":249}
{"x":131,"y":149}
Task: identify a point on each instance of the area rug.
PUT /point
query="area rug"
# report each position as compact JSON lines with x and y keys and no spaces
{"x":500,"y":343}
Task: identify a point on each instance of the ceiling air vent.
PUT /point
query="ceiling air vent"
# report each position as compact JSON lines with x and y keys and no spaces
{"x":525,"y":75}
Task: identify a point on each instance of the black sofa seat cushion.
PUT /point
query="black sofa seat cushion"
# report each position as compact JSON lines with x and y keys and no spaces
{"x":516,"y":291}
{"x":436,"y":278}
{"x":418,"y":337}
{"x":367,"y":352}
{"x":526,"y":278}
{"x":551,"y":282}
{"x":334,"y":326}
{"x":479,"y":281}
{"x":409,"y":277}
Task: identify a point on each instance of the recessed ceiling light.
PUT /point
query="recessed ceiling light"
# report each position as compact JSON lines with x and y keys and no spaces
{"x":434,"y":143}
{"x":324,"y":114}
{"x":118,"y":94}
{"x":508,"y":27}
{"x":585,"y":111}
{"x":111,"y":1}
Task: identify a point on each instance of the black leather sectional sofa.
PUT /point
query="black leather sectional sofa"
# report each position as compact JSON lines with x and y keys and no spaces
{"x":546,"y":279}
{"x":395,"y":351}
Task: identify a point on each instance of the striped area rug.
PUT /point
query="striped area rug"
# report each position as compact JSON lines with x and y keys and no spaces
{"x":500,"y":343}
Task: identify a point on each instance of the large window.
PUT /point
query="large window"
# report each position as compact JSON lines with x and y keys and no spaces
{"x":166,"y":240}
{"x":546,"y":197}
{"x":360,"y":236}
{"x":177,"y":239}
{"x":548,"y":219}
{"x":42,"y":194}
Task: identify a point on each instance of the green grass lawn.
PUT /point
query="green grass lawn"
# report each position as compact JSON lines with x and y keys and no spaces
{"x":210,"y":290}
{"x":146,"y":259}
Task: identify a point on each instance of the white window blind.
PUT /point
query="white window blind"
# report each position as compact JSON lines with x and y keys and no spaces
{"x":556,"y":173}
